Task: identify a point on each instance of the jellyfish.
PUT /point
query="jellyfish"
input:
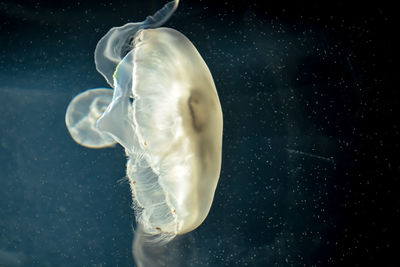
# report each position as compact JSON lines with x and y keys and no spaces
{"x":165,"y":111}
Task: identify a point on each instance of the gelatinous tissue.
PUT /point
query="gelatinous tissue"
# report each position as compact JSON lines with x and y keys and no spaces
{"x":165,"y":111}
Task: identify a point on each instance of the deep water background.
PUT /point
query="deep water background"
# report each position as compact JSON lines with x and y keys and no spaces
{"x":309,"y":174}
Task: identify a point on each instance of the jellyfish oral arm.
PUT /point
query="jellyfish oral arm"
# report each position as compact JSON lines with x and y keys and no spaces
{"x":113,"y":46}
{"x":161,"y":16}
{"x":82,"y":115}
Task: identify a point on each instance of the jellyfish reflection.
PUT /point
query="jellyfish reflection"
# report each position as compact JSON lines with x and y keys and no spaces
{"x":172,"y":131}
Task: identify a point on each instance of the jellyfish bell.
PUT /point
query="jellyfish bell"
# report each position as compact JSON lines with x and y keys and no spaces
{"x":82,"y":115}
{"x":174,"y":134}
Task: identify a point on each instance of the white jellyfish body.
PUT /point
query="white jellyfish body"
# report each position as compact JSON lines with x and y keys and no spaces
{"x":171,"y":131}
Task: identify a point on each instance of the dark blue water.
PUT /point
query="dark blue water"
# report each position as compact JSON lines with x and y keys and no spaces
{"x":308,"y":175}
